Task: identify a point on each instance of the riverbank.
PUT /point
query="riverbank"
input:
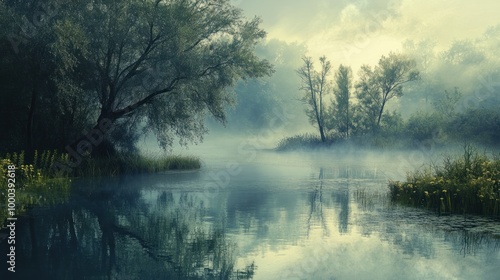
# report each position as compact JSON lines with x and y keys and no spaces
{"x":467,"y":184}
{"x":135,"y":164}
{"x":37,"y":183}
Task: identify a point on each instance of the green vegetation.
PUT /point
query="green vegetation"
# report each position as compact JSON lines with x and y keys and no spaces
{"x":465,"y":184}
{"x":411,"y":99}
{"x":34,"y":184}
{"x":134,"y":164}
{"x":374,"y":88}
{"x":423,"y":129}
{"x":120,"y":68}
{"x":38,"y":183}
{"x":301,"y":141}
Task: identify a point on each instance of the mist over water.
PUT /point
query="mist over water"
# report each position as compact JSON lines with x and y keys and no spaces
{"x":319,"y":208}
{"x":313,"y":214}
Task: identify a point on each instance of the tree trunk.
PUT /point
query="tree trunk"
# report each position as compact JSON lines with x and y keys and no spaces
{"x":381,"y":111}
{"x":347,"y":117}
{"x":322,"y":133}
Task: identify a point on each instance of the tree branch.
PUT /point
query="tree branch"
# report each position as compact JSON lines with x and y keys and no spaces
{"x":122,"y":112}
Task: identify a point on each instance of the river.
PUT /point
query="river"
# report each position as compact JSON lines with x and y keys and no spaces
{"x":255,"y":214}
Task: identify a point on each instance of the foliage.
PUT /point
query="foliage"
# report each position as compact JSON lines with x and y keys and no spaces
{"x":425,"y":126}
{"x":122,"y":164}
{"x":447,"y":103}
{"x":159,"y":66}
{"x":466,"y":184}
{"x":379,"y":85}
{"x":31,"y":81}
{"x":365,"y":116}
{"x":476,"y":125}
{"x":340,"y":111}
{"x":390,"y":134}
{"x":302,"y":141}
{"x":481,"y":127}
{"x":35,"y":184}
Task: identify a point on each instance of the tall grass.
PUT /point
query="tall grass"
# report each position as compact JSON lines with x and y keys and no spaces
{"x":302,"y":141}
{"x":134,"y":164}
{"x":35,"y":183}
{"x":466,"y":184}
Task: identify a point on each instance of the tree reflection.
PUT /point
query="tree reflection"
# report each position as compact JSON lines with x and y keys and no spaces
{"x":415,"y":231}
{"x":316,"y":206}
{"x":472,"y":242}
{"x":122,"y":234}
{"x":342,"y":197}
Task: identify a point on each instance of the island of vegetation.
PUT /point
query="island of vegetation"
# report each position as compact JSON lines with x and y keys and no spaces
{"x":468,"y":184}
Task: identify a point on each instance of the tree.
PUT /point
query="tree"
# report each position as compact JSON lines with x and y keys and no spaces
{"x":376,"y":87}
{"x":315,"y":86}
{"x":156,"y":65}
{"x":33,"y":108}
{"x":447,"y":103}
{"x":340,"y":108}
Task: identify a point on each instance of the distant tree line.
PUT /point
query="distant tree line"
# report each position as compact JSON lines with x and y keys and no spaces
{"x":342,"y":108}
{"x":355,"y":108}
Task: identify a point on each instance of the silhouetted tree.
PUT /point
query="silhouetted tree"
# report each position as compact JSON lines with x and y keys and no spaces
{"x":315,"y":86}
{"x":340,"y":110}
{"x":377,"y":86}
{"x":157,"y":65}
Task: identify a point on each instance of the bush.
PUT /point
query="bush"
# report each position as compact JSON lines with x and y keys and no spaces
{"x":481,"y":126}
{"x":421,"y":127}
{"x":302,"y":141}
{"x":466,"y":184}
{"x":34,"y":184}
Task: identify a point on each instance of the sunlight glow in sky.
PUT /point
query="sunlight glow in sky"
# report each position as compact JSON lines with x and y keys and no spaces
{"x":358,"y":32}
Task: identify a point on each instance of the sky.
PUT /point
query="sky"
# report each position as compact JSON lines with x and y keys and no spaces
{"x":360,"y":31}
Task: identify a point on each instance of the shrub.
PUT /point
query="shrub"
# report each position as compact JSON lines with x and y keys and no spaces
{"x":34,"y":183}
{"x":466,"y":184}
{"x":302,"y":141}
{"x":424,"y":126}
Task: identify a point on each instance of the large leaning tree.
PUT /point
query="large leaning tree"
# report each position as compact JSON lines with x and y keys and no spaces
{"x":155,"y":65}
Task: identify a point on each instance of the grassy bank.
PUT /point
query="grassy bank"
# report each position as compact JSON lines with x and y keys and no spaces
{"x":38,"y":184}
{"x":134,"y":164}
{"x":465,"y":184}
{"x":30,"y":184}
{"x":301,"y":142}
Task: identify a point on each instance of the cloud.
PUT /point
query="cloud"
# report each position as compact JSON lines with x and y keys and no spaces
{"x":356,"y":32}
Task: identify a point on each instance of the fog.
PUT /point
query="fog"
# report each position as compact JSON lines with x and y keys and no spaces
{"x":453,"y":43}
{"x":287,"y":188}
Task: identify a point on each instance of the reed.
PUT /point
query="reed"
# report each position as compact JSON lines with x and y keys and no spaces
{"x":38,"y":184}
{"x":466,"y":184}
{"x":302,"y":141}
{"x":134,"y":164}
{"x":35,"y":183}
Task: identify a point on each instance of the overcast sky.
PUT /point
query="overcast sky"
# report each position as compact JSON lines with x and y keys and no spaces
{"x":357,"y":32}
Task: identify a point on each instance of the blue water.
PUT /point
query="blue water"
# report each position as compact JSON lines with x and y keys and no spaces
{"x":254,"y":215}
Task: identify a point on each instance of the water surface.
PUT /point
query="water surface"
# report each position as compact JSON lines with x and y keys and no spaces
{"x":254,"y":215}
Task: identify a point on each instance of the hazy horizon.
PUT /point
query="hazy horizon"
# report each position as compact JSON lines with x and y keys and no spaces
{"x":359,"y":32}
